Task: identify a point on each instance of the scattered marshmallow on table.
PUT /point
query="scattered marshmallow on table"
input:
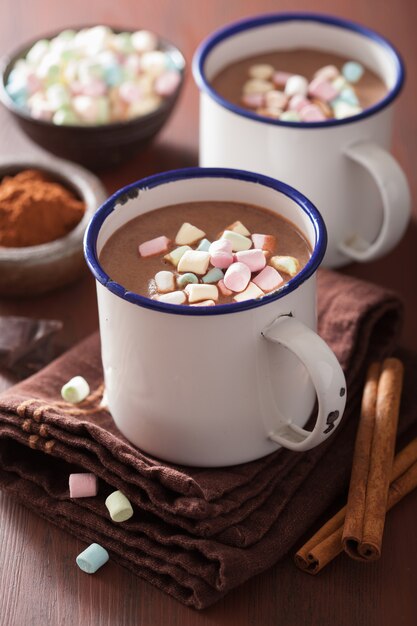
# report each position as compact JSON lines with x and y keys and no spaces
{"x":75,"y":390}
{"x":92,"y":558}
{"x":83,"y":485}
{"x":154,"y":246}
{"x":119,"y":507}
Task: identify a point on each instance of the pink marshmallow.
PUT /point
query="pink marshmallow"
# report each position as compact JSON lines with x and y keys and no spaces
{"x":264,"y":242}
{"x":223,"y":289}
{"x":221,"y":259}
{"x":297,"y":102}
{"x":83,"y":485}
{"x":312,"y":113}
{"x":269,"y":279}
{"x":167,"y":83}
{"x":223,"y":245}
{"x":280,"y":78}
{"x":254,"y":259}
{"x":154,"y":246}
{"x":322,"y":89}
{"x":237,"y":277}
{"x":130,"y":92}
{"x":253,"y":100}
{"x":95,"y":88}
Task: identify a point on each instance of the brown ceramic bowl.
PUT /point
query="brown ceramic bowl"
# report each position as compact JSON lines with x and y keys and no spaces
{"x":36,"y":269}
{"x":96,"y":147}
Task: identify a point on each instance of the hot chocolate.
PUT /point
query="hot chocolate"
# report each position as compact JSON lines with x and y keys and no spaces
{"x":205,"y":253}
{"x":300,"y":85}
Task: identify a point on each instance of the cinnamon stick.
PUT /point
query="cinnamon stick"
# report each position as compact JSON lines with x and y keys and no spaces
{"x":326,"y":544}
{"x":372,"y":463}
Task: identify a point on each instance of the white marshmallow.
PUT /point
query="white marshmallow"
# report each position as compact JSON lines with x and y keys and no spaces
{"x":199,"y":293}
{"x":261,"y":70}
{"x":188,"y":234}
{"x":288,"y":264}
{"x":239,"y":242}
{"x":195,"y":261}
{"x":296,"y":84}
{"x":251,"y":292}
{"x":165,"y":281}
{"x":255,"y":85}
{"x":174,"y":297}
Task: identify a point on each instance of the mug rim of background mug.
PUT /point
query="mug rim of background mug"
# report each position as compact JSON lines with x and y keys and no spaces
{"x":266,"y":19}
{"x":132,"y":190}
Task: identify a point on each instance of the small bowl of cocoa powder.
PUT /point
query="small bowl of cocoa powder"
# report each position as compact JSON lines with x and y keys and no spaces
{"x":45,"y":206}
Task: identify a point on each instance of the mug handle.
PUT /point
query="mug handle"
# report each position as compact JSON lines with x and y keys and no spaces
{"x":396,"y":201}
{"x":327,"y":377}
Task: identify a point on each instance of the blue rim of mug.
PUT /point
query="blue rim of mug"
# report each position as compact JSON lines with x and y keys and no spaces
{"x":132,"y":191}
{"x":226,"y":32}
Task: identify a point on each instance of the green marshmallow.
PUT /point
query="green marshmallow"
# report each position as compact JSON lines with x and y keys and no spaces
{"x":119,"y":507}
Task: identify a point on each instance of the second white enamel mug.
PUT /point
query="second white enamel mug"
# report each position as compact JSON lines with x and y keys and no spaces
{"x":344,"y":166}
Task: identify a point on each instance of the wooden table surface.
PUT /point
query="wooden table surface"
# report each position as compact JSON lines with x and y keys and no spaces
{"x":39,"y":582}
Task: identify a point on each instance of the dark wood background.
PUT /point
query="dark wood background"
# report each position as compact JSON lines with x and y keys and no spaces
{"x":39,"y":581}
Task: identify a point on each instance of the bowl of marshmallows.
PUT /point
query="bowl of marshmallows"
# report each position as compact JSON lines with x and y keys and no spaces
{"x":94,"y":95}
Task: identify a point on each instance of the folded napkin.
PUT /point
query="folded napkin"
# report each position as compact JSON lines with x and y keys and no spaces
{"x":196,"y":532}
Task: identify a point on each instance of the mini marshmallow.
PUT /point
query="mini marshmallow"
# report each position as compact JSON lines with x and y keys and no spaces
{"x":186,"y":279}
{"x":119,"y":507}
{"x":195,"y":261}
{"x":254,"y":259}
{"x":239,"y":242}
{"x":174,"y":297}
{"x":213,"y":275}
{"x":271,"y":112}
{"x":175,"y":255}
{"x":144,"y":41}
{"x":167,"y":83}
{"x":328,"y":72}
{"x":297,"y":102}
{"x":188,"y":234}
{"x":92,"y":558}
{"x":322,"y":89}
{"x":269,"y":279}
{"x":264,"y":242}
{"x":221,"y":259}
{"x":343,"y":109}
{"x":261,"y":70}
{"x":223,"y":289}
{"x":253,"y":100}
{"x":238,"y":227}
{"x":255,"y":85}
{"x":154,"y":246}
{"x":348,"y":95}
{"x":75,"y":390}
{"x":312,"y":113}
{"x":296,"y":84}
{"x":237,"y":277}
{"x":204,"y":303}
{"x":352,"y":71}
{"x":204,"y":245}
{"x":165,"y":281}
{"x":198,"y":293}
{"x":288,"y":264}
{"x":251,"y":292}
{"x":280,"y":79}
{"x":221,"y":245}
{"x":276,"y":100}
{"x":290,"y":116}
{"x":340,"y":83}
{"x":83,"y":485}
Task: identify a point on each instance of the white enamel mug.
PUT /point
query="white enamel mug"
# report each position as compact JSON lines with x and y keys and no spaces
{"x":214,"y":386}
{"x":344,"y":165}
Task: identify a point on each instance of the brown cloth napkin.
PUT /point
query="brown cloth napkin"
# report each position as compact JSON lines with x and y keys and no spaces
{"x":196,"y":533}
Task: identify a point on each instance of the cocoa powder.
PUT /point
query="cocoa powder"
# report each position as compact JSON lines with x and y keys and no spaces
{"x":34,"y":209}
